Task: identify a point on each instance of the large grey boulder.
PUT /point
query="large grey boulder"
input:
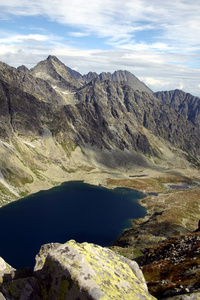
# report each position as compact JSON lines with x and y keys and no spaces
{"x":41,"y":256}
{"x":87,"y":271}
{"x":6,"y":271}
{"x":2,"y":297}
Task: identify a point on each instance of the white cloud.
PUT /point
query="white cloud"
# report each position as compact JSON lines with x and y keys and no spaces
{"x":78,"y":34}
{"x":158,"y":41}
{"x":151,"y":68}
{"x":178,"y":21}
{"x":19,"y":38}
{"x":155,"y":83}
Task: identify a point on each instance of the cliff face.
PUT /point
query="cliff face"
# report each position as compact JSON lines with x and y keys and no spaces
{"x":183,"y":103}
{"x":54,"y":128}
{"x":118,"y":76}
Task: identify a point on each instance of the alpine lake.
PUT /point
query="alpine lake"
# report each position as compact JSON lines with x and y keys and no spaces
{"x":73,"y":210}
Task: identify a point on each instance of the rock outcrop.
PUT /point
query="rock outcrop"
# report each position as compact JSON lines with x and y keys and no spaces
{"x":79,"y":271}
{"x":2,"y":297}
{"x":6,"y":271}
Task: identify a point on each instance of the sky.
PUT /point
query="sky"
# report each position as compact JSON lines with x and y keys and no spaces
{"x":158,"y":41}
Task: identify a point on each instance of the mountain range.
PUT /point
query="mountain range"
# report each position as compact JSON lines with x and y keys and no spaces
{"x":58,"y":125}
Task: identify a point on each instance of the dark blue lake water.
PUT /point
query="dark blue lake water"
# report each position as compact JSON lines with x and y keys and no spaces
{"x":74,"y":210}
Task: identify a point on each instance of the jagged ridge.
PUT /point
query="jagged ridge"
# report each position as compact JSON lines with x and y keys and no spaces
{"x":47,"y":116}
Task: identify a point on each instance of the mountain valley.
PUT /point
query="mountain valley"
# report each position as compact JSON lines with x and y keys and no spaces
{"x":57,"y":125}
{"x":52,"y":123}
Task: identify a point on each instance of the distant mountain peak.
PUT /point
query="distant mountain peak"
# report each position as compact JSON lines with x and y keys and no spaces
{"x":53,"y":65}
{"x":52,"y":57}
{"x":114,"y":122}
{"x":23,"y":68}
{"x":118,"y":76}
{"x":56,"y":74}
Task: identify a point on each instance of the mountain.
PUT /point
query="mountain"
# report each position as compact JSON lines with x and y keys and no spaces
{"x":109,"y":129}
{"x":23,"y":68}
{"x":126,"y":77}
{"x":24,"y":81}
{"x":184,"y":104}
{"x":55,"y":128}
{"x":118,"y":76}
{"x":61,"y":76}
{"x":56,"y":74}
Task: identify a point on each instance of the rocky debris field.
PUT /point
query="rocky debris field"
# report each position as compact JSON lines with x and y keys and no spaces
{"x":173,"y":266}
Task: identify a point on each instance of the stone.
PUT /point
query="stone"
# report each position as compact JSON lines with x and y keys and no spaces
{"x":41,"y":256}
{"x":2,"y":297}
{"x":6,"y":271}
{"x":21,"y":289}
{"x":88,"y":271}
{"x":192,"y":296}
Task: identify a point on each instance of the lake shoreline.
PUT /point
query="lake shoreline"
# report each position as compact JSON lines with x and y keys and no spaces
{"x":156,"y":191}
{"x":73,"y":210}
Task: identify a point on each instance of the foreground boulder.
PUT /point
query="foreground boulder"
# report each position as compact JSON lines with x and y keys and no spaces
{"x":6,"y":271}
{"x":2,"y":297}
{"x":87,"y":271}
{"x":74,"y":271}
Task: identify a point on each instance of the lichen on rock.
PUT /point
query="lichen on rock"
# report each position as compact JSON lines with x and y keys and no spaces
{"x":6,"y":271}
{"x":88,"y":271}
{"x":41,"y":256}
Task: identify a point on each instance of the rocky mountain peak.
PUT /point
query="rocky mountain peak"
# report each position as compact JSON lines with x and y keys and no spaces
{"x":23,"y":68}
{"x":109,"y":115}
{"x":56,"y":74}
{"x":184,"y":104}
{"x":52,"y":57}
{"x":118,"y":76}
{"x":131,"y":80}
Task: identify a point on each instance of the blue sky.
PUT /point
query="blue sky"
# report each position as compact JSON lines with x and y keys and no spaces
{"x":158,"y":41}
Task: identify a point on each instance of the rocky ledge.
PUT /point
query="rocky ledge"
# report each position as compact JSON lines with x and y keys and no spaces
{"x":75,"y":271}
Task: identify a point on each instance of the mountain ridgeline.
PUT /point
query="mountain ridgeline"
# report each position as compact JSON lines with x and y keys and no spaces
{"x":56,"y":124}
